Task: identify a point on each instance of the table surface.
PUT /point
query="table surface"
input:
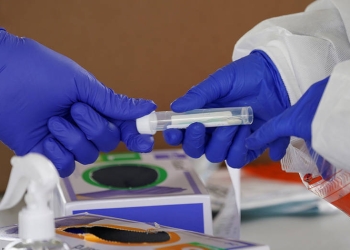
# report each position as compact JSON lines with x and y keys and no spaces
{"x":330,"y":231}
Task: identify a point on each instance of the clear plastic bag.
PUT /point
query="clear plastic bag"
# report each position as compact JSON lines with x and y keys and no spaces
{"x":318,"y":175}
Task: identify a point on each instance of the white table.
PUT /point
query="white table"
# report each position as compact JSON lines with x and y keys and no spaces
{"x":329,"y":232}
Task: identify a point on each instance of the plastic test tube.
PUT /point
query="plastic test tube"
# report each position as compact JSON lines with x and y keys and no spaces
{"x":215,"y":117}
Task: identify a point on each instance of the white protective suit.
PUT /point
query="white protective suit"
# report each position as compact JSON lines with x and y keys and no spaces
{"x":306,"y":48}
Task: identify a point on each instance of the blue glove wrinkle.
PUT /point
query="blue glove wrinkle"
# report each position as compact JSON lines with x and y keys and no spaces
{"x":104,"y":134}
{"x":222,"y":136}
{"x":238,"y":155}
{"x":195,"y":140}
{"x":73,"y":139}
{"x":278,"y":86}
{"x":3,"y":35}
{"x":59,"y":156}
{"x":85,"y":118}
{"x":62,"y":159}
{"x":141,"y":143}
{"x":106,"y":101}
{"x":217,"y":84}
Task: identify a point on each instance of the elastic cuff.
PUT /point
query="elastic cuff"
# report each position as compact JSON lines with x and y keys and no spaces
{"x":3,"y":33}
{"x":282,"y":91}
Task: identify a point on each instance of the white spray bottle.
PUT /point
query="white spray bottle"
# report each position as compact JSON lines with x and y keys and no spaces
{"x":38,"y":176}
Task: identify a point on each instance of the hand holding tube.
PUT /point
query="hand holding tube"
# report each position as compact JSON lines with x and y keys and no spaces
{"x":251,"y":81}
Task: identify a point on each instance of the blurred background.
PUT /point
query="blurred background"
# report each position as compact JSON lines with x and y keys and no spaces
{"x":153,"y":49}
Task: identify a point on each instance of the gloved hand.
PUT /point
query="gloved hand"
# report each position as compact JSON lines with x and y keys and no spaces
{"x":51,"y":105}
{"x":251,"y":81}
{"x":295,"y":121}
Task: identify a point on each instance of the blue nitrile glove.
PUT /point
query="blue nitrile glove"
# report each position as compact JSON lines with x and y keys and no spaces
{"x":51,"y":105}
{"x":251,"y":81}
{"x":295,"y":121}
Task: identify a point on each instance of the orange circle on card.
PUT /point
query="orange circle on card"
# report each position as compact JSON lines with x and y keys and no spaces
{"x":174,"y":237}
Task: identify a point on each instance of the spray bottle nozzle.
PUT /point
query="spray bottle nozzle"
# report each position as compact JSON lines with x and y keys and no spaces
{"x":37,"y":175}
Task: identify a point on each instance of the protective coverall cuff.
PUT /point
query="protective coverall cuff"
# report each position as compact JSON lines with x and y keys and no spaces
{"x":3,"y":33}
{"x":281,"y":88}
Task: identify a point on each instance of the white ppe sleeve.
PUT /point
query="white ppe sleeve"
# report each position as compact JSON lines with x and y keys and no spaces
{"x":305,"y":46}
{"x":331,"y":125}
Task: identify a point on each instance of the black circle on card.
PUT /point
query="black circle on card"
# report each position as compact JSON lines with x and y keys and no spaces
{"x":125,"y":176}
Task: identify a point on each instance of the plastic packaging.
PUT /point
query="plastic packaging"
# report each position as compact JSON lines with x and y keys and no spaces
{"x":215,"y":117}
{"x":329,"y":182}
{"x":36,"y":176}
{"x":335,"y":190}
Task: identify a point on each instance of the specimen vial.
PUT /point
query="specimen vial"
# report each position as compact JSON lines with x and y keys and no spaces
{"x":213,"y":117}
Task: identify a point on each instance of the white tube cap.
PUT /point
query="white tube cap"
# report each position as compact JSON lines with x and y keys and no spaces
{"x":147,"y":124}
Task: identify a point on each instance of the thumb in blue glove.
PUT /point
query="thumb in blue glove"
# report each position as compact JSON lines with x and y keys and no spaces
{"x":295,"y":121}
{"x":251,"y":81}
{"x":51,"y":105}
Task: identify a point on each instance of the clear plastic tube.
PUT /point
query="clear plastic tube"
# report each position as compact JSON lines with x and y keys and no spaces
{"x":215,"y":117}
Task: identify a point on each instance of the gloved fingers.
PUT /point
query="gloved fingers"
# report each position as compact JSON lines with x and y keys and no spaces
{"x":133,"y":140}
{"x":195,"y":140}
{"x":294,"y":121}
{"x":73,"y":139}
{"x":173,"y":136}
{"x":219,"y":143}
{"x":270,"y":131}
{"x":107,"y":102}
{"x":278,"y":148}
{"x":257,"y":123}
{"x":238,"y":155}
{"x":214,"y":87}
{"x":59,"y":156}
{"x":104,"y":134}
